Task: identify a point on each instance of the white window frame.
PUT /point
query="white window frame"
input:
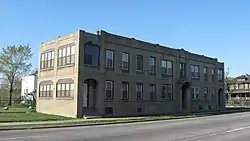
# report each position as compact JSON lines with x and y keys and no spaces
{"x":195,"y":93}
{"x":139,"y":88}
{"x":152,"y":88}
{"x":110,"y":56}
{"x":107,"y":83}
{"x":126,"y":89}
{"x":169,"y":66}
{"x":220,"y":74}
{"x":125,"y":58}
{"x":151,"y":64}
{"x":169,"y":88}
{"x":64,"y":52}
{"x":197,"y":71}
{"x":164,"y":66}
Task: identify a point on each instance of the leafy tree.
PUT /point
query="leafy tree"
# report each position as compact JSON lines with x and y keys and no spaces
{"x":15,"y":62}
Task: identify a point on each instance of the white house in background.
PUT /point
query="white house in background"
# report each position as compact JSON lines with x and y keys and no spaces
{"x":29,"y":84}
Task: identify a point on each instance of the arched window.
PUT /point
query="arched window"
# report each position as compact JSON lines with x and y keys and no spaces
{"x":46,"y":89}
{"x":65,"y":88}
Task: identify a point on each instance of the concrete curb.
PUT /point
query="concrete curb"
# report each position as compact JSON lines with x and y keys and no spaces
{"x":107,"y":122}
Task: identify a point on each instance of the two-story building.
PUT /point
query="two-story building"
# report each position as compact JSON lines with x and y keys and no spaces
{"x":105,"y":74}
{"x":240,"y":88}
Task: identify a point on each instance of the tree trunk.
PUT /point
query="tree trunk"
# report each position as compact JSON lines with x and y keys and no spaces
{"x":10,"y":95}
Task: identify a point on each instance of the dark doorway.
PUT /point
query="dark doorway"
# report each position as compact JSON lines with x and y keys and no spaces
{"x":220,"y":97}
{"x":184,"y":88}
{"x":89,"y":94}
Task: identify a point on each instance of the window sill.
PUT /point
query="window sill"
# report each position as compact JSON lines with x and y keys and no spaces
{"x":152,"y":73}
{"x":165,"y":99}
{"x":65,"y":66}
{"x":195,"y":99}
{"x":91,"y":66}
{"x":125,"y":100}
{"x":110,"y":69}
{"x":64,"y":98}
{"x":108,"y":99}
{"x":139,"y":72}
{"x":47,"y":69}
{"x":195,"y":78}
{"x":166,"y":75}
{"x":124,"y":71}
{"x":45,"y":98}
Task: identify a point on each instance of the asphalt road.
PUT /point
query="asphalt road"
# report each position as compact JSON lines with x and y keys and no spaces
{"x":229,"y":127}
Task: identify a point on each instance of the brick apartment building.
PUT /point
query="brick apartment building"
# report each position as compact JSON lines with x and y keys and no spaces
{"x":103,"y":74}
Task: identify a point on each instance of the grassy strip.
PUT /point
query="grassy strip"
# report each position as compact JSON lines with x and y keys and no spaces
{"x":29,"y":117}
{"x":91,"y":122}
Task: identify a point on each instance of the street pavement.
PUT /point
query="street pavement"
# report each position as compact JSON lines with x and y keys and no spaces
{"x":228,"y":127}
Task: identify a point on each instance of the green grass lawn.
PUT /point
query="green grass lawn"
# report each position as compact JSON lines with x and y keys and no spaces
{"x":14,"y":110}
{"x":29,"y":117}
{"x":23,"y":114}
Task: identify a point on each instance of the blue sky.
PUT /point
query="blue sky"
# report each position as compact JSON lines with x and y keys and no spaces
{"x":216,"y":28}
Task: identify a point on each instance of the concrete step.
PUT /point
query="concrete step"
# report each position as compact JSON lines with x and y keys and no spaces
{"x":91,"y":117}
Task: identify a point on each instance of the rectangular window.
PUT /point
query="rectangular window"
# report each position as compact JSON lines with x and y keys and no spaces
{"x":139,"y":63}
{"x":125,"y":61}
{"x":213,"y":75}
{"x":169,"y":92}
{"x":246,"y":86}
{"x":110,"y":59}
{"x":151,"y":65}
{"x":205,"y":93}
{"x":166,"y":91}
{"x":163,"y":67}
{"x":66,"y":55}
{"x":195,"y":71}
{"x":125,"y":90}
{"x":91,"y":55}
{"x":139,"y":91}
{"x":152,"y":91}
{"x":182,"y":70}
{"x":220,"y":74}
{"x":109,"y":90}
{"x":195,"y":93}
{"x":205,"y":74}
{"x":236,"y":86}
{"x":169,"y":68}
{"x":65,"y":90}
{"x":46,"y":90}
{"x":47,"y":60}
{"x":166,"y":67}
{"x":241,"y":86}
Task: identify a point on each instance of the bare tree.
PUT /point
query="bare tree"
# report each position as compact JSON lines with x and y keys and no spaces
{"x":14,"y":63}
{"x":229,"y":83}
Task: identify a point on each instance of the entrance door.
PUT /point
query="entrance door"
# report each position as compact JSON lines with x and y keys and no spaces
{"x":89,"y":94}
{"x":184,"y":97}
{"x":220,"y":97}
